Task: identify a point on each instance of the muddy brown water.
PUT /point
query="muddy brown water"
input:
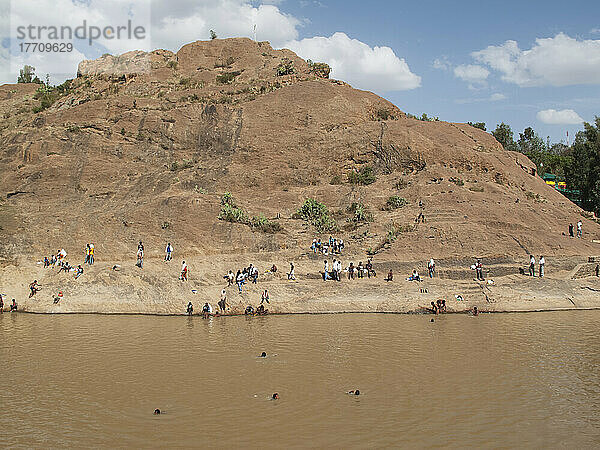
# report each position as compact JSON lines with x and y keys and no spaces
{"x":502,"y":380}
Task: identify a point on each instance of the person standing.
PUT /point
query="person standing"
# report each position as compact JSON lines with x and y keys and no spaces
{"x":168,"y":251}
{"x":571,"y":233}
{"x":87,"y":253}
{"x":264,"y":297}
{"x":531,"y":266}
{"x":91,"y":254}
{"x":326,"y":270}
{"x":140,"y":255}
{"x":184,"y":271}
{"x":579,"y":229}
{"x":542,"y":265}
{"x":291,"y":275}
{"x":479,"y":270}
{"x":431,"y":267}
{"x":223,"y":301}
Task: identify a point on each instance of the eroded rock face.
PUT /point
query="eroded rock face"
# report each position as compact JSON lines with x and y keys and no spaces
{"x":141,"y":140}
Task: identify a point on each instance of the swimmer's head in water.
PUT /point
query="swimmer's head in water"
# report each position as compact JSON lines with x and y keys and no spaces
{"x":157,"y":411}
{"x":356,"y":392}
{"x":275,"y":396}
{"x":263,"y":354}
{"x":432,"y":320}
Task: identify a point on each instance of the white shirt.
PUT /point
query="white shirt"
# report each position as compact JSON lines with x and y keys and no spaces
{"x":326,"y":266}
{"x":532,"y":260}
{"x":183,"y":267}
{"x":542,"y":261}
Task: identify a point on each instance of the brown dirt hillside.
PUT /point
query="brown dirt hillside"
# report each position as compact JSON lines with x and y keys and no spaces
{"x":142,"y":146}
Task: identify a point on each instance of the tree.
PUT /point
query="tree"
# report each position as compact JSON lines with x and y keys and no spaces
{"x":213,"y":35}
{"x":504,"y":135}
{"x":27,"y":75}
{"x":584,"y":171}
{"x":480,"y":125}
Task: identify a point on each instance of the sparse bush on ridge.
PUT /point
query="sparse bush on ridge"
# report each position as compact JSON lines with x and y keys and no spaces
{"x":395,"y":202}
{"x":317,"y":214}
{"x":230,"y":212}
{"x":364,"y":176}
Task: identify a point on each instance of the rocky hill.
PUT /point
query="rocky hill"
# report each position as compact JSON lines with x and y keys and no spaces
{"x":144,"y":145}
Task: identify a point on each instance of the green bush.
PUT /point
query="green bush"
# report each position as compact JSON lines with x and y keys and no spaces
{"x":395,"y":202}
{"x":233,"y":214}
{"x":227,"y":77}
{"x":317,"y":214}
{"x":363,"y":177}
{"x":263,"y":224}
{"x":360,"y":213}
{"x":285,"y":67}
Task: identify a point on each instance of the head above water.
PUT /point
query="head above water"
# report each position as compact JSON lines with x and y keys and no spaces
{"x":275,"y":396}
{"x":156,"y":411}
{"x":263,"y":354}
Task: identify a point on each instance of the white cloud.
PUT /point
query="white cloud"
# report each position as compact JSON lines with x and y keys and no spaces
{"x":562,"y":117}
{"x":471,"y":73}
{"x":557,"y":61}
{"x":172,"y":24}
{"x":497,"y":97}
{"x":377,"y":68}
{"x":441,"y":63}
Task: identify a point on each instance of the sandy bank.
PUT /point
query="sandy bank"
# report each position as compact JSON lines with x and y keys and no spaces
{"x":156,"y":290}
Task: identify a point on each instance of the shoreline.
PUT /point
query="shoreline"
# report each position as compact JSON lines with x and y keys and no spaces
{"x":156,"y":290}
{"x":306,"y":313}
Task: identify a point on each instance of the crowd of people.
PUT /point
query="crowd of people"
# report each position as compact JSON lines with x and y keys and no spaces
{"x":333,"y":246}
{"x":334,"y":270}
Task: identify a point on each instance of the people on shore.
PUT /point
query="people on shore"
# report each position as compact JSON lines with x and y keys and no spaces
{"x":351,"y":270}
{"x":291,"y":274}
{"x":189,"y":309}
{"x":13,"y":306}
{"x":89,"y":254}
{"x":475,"y":311}
{"x":390,"y":276}
{"x":78,"y":271}
{"x":222,"y":301}
{"x":229,"y":277}
{"x":168,"y":252}
{"x":579,"y":229}
{"x":542,"y":263}
{"x":249,"y":311}
{"x":597,"y":270}
{"x":34,"y":288}
{"x":431,"y":268}
{"x":261,"y":311}
{"x":479,"y":270}
{"x":240,"y":279}
{"x":264,"y":297}
{"x":140,"y":255}
{"x":184,"y":271}
{"x":434,"y":309}
{"x":207,"y":310}
{"x":57,"y":297}
{"x":273,"y":269}
{"x":531,"y":266}
{"x":370,"y":271}
{"x":1,"y":304}
{"x":571,"y":230}
{"x":325,"y":270}
{"x":414,"y":276}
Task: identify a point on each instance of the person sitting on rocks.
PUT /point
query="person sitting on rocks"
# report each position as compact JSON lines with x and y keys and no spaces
{"x":190,"y":308}
{"x":273,"y":268}
{"x":13,"y":306}
{"x":1,"y":304}
{"x":390,"y":276}
{"x":261,"y":311}
{"x":79,"y":271}
{"x":207,"y":310}
{"x":249,"y":311}
{"x":414,"y":277}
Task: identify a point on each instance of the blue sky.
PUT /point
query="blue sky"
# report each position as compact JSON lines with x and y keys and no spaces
{"x":527,"y":63}
{"x":421,"y":32}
